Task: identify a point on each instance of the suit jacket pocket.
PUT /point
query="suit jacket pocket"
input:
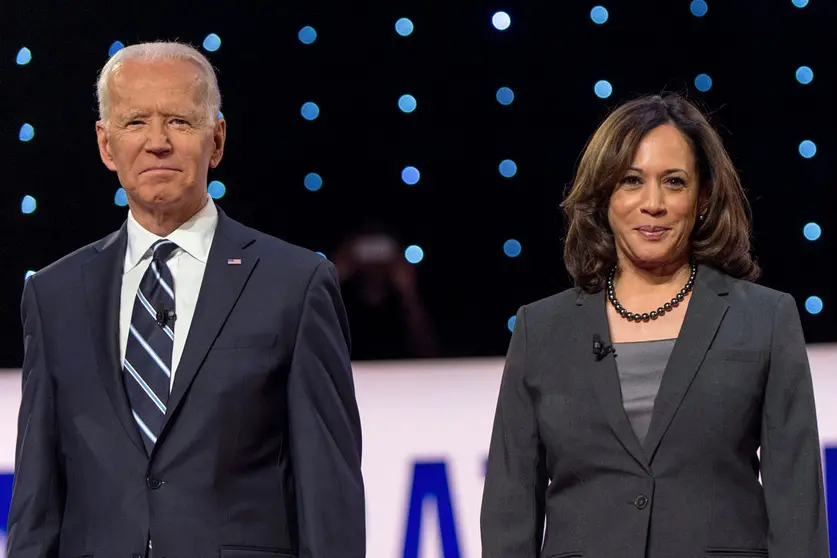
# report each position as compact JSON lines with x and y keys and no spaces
{"x":266,"y":340}
{"x":575,"y":554}
{"x":735,"y":552}
{"x":736,"y":355}
{"x":254,"y":552}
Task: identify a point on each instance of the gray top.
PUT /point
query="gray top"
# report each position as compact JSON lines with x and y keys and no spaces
{"x":641,"y":366}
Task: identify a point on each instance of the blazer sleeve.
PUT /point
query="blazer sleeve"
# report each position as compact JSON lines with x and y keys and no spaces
{"x":512,"y":515}
{"x":791,"y":465}
{"x":325,"y":427}
{"x":38,"y":493}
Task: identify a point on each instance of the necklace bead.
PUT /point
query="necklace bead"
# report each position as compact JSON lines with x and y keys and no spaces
{"x":653,"y":315}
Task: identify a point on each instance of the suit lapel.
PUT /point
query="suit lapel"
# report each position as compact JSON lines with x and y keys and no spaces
{"x":103,"y":287}
{"x":591,"y":319}
{"x":703,"y":317}
{"x":222,"y":285}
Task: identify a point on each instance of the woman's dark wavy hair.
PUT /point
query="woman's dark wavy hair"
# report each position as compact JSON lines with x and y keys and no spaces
{"x":721,"y":239}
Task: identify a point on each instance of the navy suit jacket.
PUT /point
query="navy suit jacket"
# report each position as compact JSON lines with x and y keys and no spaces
{"x":260,"y":452}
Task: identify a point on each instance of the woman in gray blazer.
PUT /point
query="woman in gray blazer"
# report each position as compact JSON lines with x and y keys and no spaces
{"x":662,"y":408}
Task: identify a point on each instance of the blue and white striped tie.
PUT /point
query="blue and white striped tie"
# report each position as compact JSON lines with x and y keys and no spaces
{"x":147,"y":365}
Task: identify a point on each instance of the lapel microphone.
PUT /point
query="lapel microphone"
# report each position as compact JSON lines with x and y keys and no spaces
{"x":600,"y":349}
{"x":165,"y":316}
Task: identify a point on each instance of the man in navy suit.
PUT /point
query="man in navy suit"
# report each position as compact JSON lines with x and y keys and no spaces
{"x":187,"y":387}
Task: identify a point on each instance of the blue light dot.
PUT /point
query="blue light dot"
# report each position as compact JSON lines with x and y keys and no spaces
{"x":407,"y":103}
{"x":511,"y":322}
{"x":599,"y":14}
{"x":414,"y":254}
{"x":703,"y":83}
{"x":800,"y":3}
{"x":313,"y":182}
{"x":27,"y":132}
{"x":404,"y":27}
{"x":512,"y":248}
{"x":310,"y":111}
{"x":28,"y":205}
{"x":410,"y":175}
{"x":28,"y":274}
{"x":603,"y":89}
{"x":699,"y":8}
{"x":508,"y":168}
{"x":115,"y":47}
{"x":807,"y":149}
{"x":120,"y":198}
{"x":321,"y":255}
{"x":505,"y":96}
{"x":307,"y":35}
{"x":501,"y":20}
{"x":812,"y":231}
{"x":813,"y":305}
{"x":804,"y":75}
{"x":220,"y":115}
{"x":212,"y":42}
{"x":24,"y":56}
{"x":216,"y":189}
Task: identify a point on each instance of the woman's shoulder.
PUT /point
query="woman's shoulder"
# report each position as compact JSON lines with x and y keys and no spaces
{"x":554,"y":305}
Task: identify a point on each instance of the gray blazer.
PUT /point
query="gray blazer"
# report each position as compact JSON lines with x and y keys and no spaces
{"x":563,"y":451}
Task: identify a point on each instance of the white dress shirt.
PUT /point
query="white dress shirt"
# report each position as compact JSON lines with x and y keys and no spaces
{"x":187,"y":265}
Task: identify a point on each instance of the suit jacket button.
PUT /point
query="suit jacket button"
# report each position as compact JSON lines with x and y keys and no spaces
{"x":641,"y":501}
{"x":153,"y":483}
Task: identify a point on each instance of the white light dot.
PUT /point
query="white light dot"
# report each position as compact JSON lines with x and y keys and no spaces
{"x":501,"y":20}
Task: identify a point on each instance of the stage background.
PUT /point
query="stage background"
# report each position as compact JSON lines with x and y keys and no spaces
{"x":426,"y":429}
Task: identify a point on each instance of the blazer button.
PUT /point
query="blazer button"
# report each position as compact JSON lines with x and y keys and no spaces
{"x":153,"y":483}
{"x":641,"y":501}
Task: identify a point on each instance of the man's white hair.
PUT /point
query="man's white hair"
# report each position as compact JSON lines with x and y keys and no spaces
{"x":161,"y":50}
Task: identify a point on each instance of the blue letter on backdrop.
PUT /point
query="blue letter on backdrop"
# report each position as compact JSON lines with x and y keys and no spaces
{"x":430,"y":480}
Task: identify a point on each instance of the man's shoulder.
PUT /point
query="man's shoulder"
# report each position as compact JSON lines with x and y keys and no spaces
{"x":73,"y":261}
{"x":277,"y":252}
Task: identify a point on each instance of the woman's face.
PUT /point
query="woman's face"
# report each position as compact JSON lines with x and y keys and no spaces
{"x":653,"y":207}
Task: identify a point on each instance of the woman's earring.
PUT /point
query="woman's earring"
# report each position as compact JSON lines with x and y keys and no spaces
{"x":701,"y":216}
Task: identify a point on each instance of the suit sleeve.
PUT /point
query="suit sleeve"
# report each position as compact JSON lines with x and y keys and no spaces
{"x":791,"y":465}
{"x":38,"y":493}
{"x":512,"y":515}
{"x":325,"y":427}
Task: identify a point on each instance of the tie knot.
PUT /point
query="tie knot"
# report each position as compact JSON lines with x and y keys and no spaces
{"x":162,"y":249}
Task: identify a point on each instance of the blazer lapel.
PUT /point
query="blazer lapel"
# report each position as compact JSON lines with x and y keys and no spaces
{"x":103,"y":286}
{"x":703,"y":317}
{"x":591,"y":319}
{"x":228,"y":268}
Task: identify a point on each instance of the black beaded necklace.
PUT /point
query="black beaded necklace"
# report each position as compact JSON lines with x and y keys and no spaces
{"x":667,"y":307}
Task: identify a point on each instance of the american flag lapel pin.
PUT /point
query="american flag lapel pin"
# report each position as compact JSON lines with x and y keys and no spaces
{"x":234,"y":261}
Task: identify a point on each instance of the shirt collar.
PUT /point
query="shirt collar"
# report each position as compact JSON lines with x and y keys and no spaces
{"x":194,"y":236}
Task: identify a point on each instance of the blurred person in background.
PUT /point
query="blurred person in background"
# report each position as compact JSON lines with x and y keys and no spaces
{"x":187,"y":386}
{"x":387,"y":316}
{"x":664,"y":405}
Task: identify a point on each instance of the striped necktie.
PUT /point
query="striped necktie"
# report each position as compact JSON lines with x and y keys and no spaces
{"x":148,"y":354}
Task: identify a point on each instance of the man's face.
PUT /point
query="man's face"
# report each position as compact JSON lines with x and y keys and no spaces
{"x":158,"y":137}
